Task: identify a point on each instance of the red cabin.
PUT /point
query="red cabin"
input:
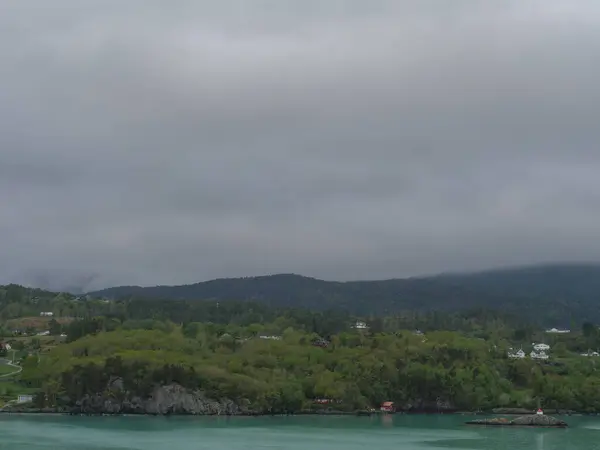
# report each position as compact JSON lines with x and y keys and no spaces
{"x":388,"y":407}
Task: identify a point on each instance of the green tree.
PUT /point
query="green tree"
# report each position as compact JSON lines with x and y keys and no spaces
{"x":54,"y":327}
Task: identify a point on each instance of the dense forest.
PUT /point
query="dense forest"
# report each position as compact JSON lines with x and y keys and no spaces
{"x":283,"y":366}
{"x":548,"y":295}
{"x":270,"y":359}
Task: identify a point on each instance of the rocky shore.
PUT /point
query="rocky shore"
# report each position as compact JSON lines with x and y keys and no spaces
{"x":532,"y":420}
{"x":176,"y":400}
{"x":165,"y":400}
{"x":525,"y":412}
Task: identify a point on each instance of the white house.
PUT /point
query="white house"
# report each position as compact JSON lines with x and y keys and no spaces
{"x":44,"y":333}
{"x":360,"y":325}
{"x":590,"y":353}
{"x":46,"y":314}
{"x":538,"y":355}
{"x":24,"y":398}
{"x":541,"y":347}
{"x":271,"y":338}
{"x":518,"y":355}
{"x":557,"y":331}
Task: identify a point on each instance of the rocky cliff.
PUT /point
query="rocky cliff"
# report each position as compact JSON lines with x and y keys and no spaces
{"x":164,"y":400}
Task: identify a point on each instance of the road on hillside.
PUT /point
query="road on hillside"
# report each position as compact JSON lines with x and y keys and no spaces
{"x":6,"y":362}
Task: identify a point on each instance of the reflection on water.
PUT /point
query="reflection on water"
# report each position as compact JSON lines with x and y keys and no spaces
{"x":387,"y":421}
{"x":400,"y":432}
{"x":540,"y":441}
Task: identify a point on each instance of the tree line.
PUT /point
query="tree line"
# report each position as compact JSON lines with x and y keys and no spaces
{"x":357,"y":369}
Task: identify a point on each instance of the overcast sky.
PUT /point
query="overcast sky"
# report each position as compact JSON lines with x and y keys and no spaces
{"x":153,"y":142}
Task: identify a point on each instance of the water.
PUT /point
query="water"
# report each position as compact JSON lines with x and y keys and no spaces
{"x":283,"y":433}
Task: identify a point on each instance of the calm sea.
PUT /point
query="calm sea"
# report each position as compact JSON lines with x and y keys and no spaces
{"x":285,"y":433}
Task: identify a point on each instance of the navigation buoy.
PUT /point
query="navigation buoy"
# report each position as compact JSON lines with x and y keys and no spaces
{"x":540,"y":412}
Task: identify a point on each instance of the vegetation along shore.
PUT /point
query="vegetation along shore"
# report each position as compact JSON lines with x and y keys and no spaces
{"x":87,"y":355}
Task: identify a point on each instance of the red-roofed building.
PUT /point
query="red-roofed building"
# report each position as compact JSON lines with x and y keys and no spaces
{"x":388,"y":407}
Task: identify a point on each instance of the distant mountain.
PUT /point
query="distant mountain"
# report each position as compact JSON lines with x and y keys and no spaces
{"x":553,"y":294}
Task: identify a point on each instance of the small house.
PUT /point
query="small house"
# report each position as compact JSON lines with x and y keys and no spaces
{"x":23,"y":398}
{"x":360,"y":325}
{"x":516,"y":355}
{"x":46,"y":314}
{"x":557,"y":331}
{"x":538,"y":355}
{"x":323,"y":343}
{"x":388,"y":407}
{"x":541,"y":347}
{"x":326,"y":401}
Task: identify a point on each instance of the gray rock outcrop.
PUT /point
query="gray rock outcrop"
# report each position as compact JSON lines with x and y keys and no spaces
{"x":164,"y":400}
{"x":533,"y":420}
{"x":538,"y":421}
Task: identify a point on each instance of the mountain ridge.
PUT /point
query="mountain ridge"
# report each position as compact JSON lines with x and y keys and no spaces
{"x":444,"y":274}
{"x":559,"y":292}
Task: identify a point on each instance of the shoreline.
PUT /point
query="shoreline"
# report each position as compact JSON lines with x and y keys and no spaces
{"x":45,"y":412}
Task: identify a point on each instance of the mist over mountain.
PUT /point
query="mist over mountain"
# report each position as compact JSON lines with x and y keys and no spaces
{"x":58,"y":281}
{"x":555,"y":293}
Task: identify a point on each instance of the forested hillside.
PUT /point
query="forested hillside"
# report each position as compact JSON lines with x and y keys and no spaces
{"x":283,"y":366}
{"x":553,"y":295}
{"x":193,"y":356}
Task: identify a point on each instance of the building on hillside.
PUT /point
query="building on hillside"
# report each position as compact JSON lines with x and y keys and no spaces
{"x":360,"y":325}
{"x":590,"y":353}
{"x":270,"y":338}
{"x":44,"y":333}
{"x":320,"y":343}
{"x":520,"y":354}
{"x":326,"y":401}
{"x":388,"y":407}
{"x":24,"y":398}
{"x":557,"y":331}
{"x":46,"y":314}
{"x":540,"y":347}
{"x":541,"y":355}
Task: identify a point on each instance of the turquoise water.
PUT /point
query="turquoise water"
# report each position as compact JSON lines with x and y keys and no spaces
{"x":285,"y":433}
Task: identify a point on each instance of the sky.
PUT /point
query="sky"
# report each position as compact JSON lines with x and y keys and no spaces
{"x":151,"y":142}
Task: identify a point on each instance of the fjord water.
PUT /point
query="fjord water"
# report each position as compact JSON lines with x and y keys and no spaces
{"x":285,"y":433}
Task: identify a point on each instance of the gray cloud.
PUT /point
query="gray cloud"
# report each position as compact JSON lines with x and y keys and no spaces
{"x":146,"y":142}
